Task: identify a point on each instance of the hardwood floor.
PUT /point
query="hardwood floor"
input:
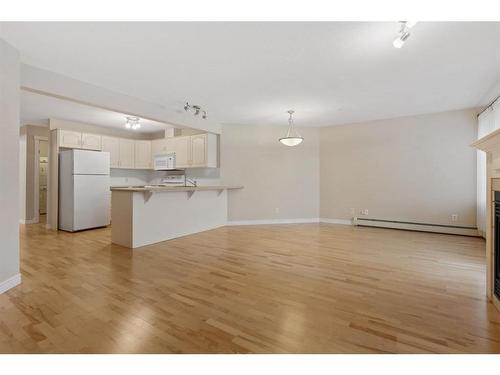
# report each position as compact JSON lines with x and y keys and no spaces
{"x":267,"y":289}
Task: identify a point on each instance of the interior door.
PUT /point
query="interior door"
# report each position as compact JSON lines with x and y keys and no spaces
{"x":43,"y":164}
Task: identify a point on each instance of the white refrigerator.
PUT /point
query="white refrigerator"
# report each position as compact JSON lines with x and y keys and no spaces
{"x":83,"y":189}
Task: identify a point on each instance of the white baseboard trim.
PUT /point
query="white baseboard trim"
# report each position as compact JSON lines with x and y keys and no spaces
{"x":10,"y":283}
{"x":30,"y":221}
{"x":336,"y":221}
{"x":273,"y":221}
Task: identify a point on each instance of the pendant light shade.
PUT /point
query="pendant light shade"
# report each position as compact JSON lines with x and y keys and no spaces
{"x":293,"y":138}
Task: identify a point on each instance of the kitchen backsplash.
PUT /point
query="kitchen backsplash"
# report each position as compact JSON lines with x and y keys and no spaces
{"x":129,"y":177}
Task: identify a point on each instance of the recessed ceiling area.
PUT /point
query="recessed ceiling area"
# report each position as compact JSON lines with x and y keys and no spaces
{"x":253,"y":72}
{"x":36,"y":109}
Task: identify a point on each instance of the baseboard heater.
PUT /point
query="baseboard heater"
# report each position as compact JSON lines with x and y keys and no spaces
{"x":421,"y":227}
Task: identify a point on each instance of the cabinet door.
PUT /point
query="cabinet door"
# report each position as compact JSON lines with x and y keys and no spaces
{"x":70,"y":139}
{"x":112,"y":145}
{"x":169,"y":145}
{"x":143,"y":154}
{"x":182,"y":149}
{"x":158,"y":147}
{"x":127,"y":150}
{"x":199,"y":150}
{"x":91,"y":141}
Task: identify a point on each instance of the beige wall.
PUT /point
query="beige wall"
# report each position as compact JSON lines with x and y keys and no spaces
{"x":9,"y":166}
{"x":418,"y":169}
{"x":280,"y":182}
{"x":27,"y":163}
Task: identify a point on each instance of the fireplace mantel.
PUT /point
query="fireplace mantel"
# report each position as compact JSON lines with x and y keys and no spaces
{"x":491,"y":145}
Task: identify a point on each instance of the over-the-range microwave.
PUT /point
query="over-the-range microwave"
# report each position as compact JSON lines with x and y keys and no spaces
{"x":164,"y":162}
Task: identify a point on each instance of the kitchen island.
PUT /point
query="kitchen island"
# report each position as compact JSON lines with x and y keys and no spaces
{"x":143,"y":215}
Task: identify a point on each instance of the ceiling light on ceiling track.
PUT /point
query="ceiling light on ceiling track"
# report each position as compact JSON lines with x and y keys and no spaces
{"x":404,"y":33}
{"x":293,"y":138}
{"x":196,"y":109}
{"x":132,"y":122}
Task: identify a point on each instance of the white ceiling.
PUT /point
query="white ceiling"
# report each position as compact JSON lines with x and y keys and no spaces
{"x":251,"y":73}
{"x":37,"y":109}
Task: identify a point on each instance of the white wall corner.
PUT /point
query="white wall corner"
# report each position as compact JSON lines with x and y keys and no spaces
{"x":10,"y":283}
{"x":28,"y":221}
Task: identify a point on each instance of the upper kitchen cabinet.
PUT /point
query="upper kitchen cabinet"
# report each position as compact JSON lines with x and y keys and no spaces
{"x":112,"y":145}
{"x":143,"y":155}
{"x":162,"y":146}
{"x":200,"y":150}
{"x":91,"y":142}
{"x":204,"y":150}
{"x":182,"y":149}
{"x":70,"y":139}
{"x":127,"y":153}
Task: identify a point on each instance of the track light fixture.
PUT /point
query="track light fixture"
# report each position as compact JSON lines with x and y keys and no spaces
{"x":404,"y":33}
{"x":196,"y":110}
{"x":132,"y":122}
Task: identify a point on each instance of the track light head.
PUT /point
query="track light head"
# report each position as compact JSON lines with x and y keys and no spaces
{"x":404,"y":34}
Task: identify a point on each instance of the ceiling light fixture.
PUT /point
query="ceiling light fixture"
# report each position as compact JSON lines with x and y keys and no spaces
{"x":196,"y":110}
{"x":293,"y":138}
{"x":132,"y":122}
{"x":404,"y":33}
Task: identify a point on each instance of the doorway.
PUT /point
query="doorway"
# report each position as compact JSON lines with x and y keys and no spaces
{"x":41,"y":173}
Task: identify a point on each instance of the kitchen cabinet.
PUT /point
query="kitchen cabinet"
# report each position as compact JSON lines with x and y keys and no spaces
{"x":158,"y":146}
{"x":127,"y":153}
{"x":198,"y":150}
{"x":86,"y":141}
{"x":182,"y":149}
{"x":143,"y":155}
{"x":112,"y":145}
{"x":162,"y":146}
{"x":195,"y":151}
{"x":70,"y":139}
{"x":91,"y":142}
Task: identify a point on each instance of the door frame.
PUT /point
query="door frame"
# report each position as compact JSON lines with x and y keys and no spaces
{"x":36,"y":188}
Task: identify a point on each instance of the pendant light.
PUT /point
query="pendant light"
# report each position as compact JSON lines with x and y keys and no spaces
{"x":293,"y":138}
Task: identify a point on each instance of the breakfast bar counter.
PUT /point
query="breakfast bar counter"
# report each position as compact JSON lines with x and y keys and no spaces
{"x":141,"y":216}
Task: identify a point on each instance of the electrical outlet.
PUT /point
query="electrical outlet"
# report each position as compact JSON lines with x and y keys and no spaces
{"x":454,"y":217}
{"x":353,"y":211}
{"x":277,"y":210}
{"x":365,"y":211}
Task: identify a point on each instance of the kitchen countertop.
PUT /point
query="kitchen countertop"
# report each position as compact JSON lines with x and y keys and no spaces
{"x":160,"y":189}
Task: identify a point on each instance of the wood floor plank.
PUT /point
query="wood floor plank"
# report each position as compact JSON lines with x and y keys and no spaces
{"x":299,"y":288}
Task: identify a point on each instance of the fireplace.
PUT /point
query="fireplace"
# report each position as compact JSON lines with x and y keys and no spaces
{"x":496,"y":248}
